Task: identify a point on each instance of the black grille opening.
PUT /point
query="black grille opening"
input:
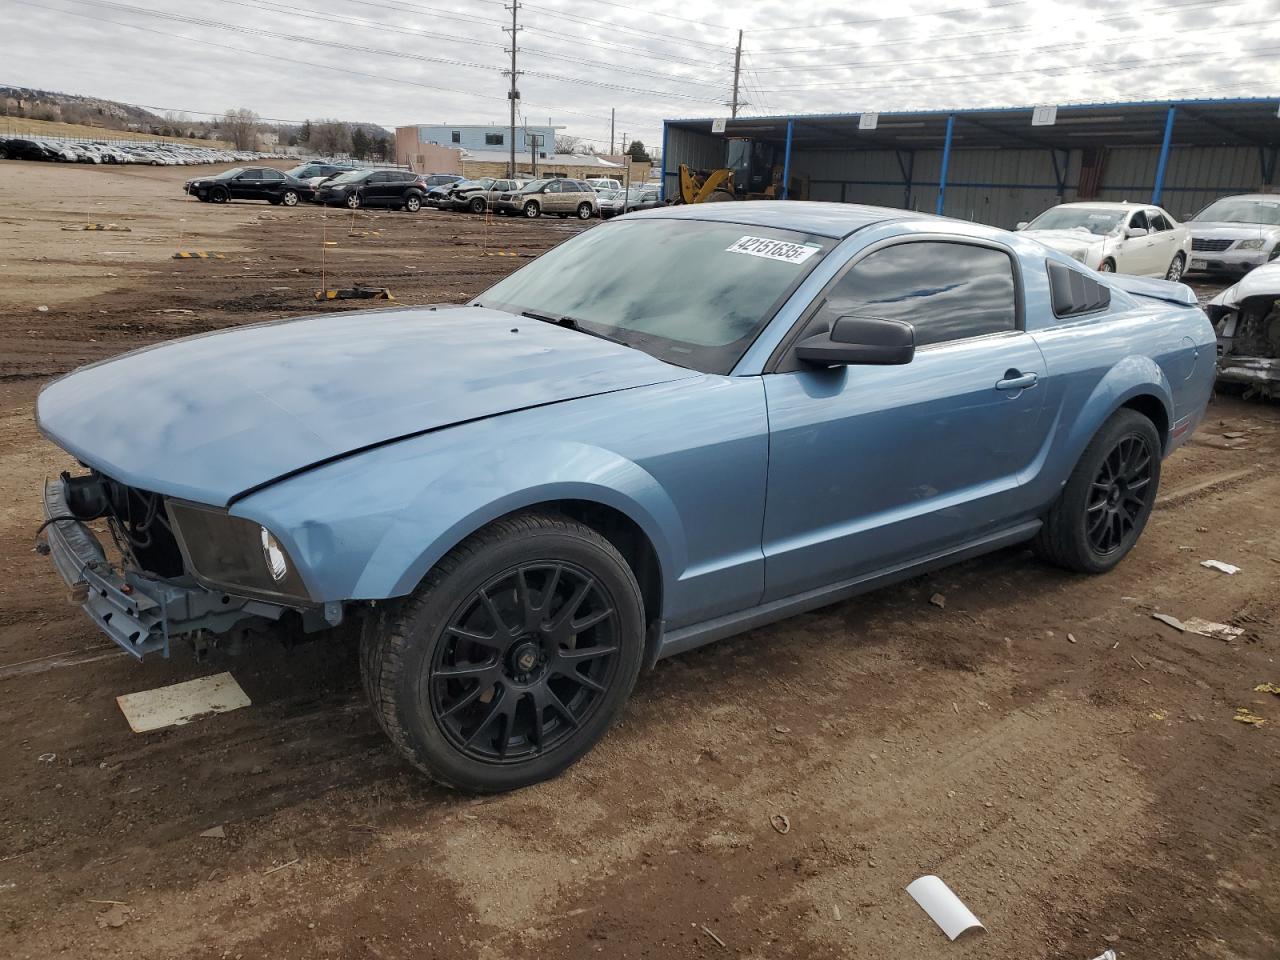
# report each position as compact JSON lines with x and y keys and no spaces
{"x":137,"y":518}
{"x":1209,"y":245}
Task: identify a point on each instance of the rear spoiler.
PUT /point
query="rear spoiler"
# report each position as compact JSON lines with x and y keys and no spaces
{"x":1178,"y":293}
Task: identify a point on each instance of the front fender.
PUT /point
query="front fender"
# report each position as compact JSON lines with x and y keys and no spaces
{"x":371,"y":527}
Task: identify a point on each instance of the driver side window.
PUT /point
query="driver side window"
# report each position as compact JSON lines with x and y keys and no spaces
{"x":1139,"y":221}
{"x":946,"y":291}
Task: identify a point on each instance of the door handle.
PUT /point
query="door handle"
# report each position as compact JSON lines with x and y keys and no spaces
{"x":1017,"y":381}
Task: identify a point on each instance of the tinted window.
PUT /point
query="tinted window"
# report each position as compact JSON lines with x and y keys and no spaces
{"x":1139,"y":221}
{"x":274,"y":175}
{"x":1158,"y":221}
{"x":493,"y":139}
{"x":457,"y":136}
{"x":946,"y":291}
{"x":555,"y":186}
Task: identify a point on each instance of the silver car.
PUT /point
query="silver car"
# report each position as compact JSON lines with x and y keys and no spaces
{"x":1236,"y":234}
{"x":558,"y":195}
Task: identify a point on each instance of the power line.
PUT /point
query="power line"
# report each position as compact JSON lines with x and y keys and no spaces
{"x":997,"y":31}
{"x":274,"y":56}
{"x":994,"y":54}
{"x":309,"y":14}
{"x":905,"y":16}
{"x":1042,"y":71}
{"x":359,"y":48}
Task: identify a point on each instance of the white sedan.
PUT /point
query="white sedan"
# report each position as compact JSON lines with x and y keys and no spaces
{"x":1116,"y":237}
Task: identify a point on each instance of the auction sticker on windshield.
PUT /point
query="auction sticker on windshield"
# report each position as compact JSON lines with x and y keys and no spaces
{"x":772,"y":249}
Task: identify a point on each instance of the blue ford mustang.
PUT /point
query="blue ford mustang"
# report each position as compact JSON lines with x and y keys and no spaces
{"x":526,"y":500}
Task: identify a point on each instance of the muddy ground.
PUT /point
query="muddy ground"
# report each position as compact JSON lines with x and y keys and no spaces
{"x":1068,"y":764}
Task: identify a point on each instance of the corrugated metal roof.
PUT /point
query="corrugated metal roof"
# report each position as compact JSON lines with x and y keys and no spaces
{"x":1224,"y":122}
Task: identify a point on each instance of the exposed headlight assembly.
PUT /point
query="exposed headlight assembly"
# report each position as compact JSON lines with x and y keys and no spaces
{"x":234,"y":554}
{"x":1251,"y":244}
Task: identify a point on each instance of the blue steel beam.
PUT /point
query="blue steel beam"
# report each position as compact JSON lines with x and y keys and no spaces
{"x":786,"y":160}
{"x":1164,"y":154}
{"x":946,"y":162}
{"x":662,"y":192}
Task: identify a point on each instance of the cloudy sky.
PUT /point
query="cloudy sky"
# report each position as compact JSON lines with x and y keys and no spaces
{"x":398,"y":62}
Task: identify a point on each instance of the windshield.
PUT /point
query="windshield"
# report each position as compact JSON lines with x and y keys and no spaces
{"x":1237,"y":210}
{"x":1097,"y":220}
{"x":719,"y":285}
{"x":350,"y":176}
{"x":535,"y":185}
{"x":303,"y":170}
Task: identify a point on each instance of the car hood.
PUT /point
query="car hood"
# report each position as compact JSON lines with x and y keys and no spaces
{"x":1230,"y":231}
{"x":1262,"y":281}
{"x":210,"y":417}
{"x":1066,"y":239}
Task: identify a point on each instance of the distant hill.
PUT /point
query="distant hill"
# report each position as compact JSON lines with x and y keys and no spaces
{"x":113,"y":115}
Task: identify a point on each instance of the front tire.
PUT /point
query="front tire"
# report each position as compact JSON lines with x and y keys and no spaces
{"x":1176,"y":268}
{"x":352,"y":201}
{"x":532,"y":210}
{"x":219,"y":195}
{"x":478,"y":205}
{"x":1108,"y":266}
{"x":1104,"y":507}
{"x":512,"y":658}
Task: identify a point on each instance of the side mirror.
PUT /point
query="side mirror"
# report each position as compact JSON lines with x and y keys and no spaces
{"x":1136,"y":232}
{"x":1022,"y":225}
{"x":860,"y":340}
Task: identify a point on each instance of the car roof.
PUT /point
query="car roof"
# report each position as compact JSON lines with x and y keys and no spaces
{"x":1268,"y":197}
{"x":1109,"y":204}
{"x":834,"y":220}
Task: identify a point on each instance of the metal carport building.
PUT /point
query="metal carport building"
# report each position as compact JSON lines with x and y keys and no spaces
{"x":995,"y":166}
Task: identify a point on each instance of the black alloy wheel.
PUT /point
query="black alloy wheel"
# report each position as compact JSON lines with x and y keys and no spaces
{"x":478,"y":204}
{"x":1106,"y":502}
{"x":524,"y":662}
{"x":1119,"y":495}
{"x":219,"y":195}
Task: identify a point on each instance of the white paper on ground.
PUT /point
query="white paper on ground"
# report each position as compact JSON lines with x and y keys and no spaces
{"x":1219,"y":565}
{"x":943,"y":906}
{"x":1208,"y":628}
{"x":180,"y":703}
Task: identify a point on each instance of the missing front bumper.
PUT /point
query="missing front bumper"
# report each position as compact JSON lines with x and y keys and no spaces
{"x":140,"y":613}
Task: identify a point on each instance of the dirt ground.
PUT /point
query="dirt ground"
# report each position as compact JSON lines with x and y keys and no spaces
{"x":1066,"y":763}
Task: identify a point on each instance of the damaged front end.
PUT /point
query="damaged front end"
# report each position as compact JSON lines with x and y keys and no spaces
{"x":153,"y":593}
{"x":1246,"y":318}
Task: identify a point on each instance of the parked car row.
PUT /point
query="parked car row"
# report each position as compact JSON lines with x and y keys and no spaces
{"x":1230,"y":235}
{"x":562,"y":196}
{"x":158,"y":154}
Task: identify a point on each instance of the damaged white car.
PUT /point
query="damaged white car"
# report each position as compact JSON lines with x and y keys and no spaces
{"x":1247,"y":320}
{"x":1139,"y":239}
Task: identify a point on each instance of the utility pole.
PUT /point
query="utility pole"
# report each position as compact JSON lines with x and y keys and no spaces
{"x":612,"y":113}
{"x":737,"y":73}
{"x":535,"y":141}
{"x":514,"y":93}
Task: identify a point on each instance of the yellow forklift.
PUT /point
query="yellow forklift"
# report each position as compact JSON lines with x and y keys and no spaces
{"x":752,"y":172}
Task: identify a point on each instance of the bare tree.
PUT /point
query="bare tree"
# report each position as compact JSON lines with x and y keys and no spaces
{"x":330,"y":137}
{"x":565,"y":143}
{"x":241,"y":125}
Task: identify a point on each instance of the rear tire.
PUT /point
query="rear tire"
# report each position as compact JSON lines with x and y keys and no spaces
{"x":1176,"y":268}
{"x":584,"y":211}
{"x":1102,"y":510}
{"x":289,"y":198}
{"x":413,"y":203}
{"x":513,"y":656}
